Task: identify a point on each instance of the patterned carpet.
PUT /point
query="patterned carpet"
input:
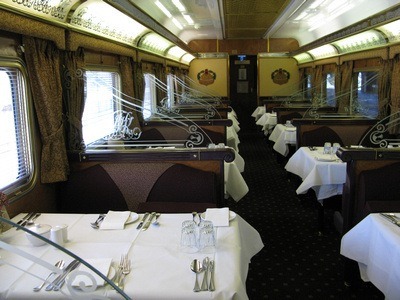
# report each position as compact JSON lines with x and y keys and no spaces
{"x":297,"y":262}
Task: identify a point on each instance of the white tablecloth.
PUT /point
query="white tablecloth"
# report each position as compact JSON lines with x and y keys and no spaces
{"x":258,"y":112}
{"x":326,"y":178}
{"x":235,"y":122}
{"x":267,"y":121}
{"x":233,"y":140}
{"x":375,"y":244}
{"x":159,"y":269}
{"x":283,"y":136}
{"x":235,"y":185}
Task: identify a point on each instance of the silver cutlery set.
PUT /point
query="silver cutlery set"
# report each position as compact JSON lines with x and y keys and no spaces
{"x":148,"y":218}
{"x":207,"y":266}
{"x":392,"y":218}
{"x":124,"y":268}
{"x":59,"y":281}
{"x":28,"y":220}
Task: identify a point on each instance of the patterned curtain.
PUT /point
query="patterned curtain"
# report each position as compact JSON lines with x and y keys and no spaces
{"x":302,"y":74}
{"x":159,"y":71}
{"x":126,"y":69}
{"x":395,"y":94}
{"x":316,"y":84}
{"x":43,"y":64}
{"x":73,"y":97}
{"x":138,"y":81}
{"x":384,"y":87}
{"x":346,"y":77}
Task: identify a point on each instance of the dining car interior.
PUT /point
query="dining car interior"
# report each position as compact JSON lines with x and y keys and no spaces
{"x":199,"y":149}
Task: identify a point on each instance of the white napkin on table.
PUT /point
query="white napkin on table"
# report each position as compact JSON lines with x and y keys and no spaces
{"x":101,"y":264}
{"x":219,"y":216}
{"x":115,"y":220}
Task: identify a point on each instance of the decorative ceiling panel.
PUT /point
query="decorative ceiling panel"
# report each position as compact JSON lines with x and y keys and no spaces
{"x":250,"y":19}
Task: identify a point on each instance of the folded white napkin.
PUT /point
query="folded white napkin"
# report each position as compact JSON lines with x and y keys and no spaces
{"x":101,"y":264}
{"x":219,"y":216}
{"x":115,"y":220}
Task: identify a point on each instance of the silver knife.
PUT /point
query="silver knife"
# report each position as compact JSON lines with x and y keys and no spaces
{"x":25,"y":220}
{"x":141,"y":222}
{"x":59,"y":281}
{"x":391,"y":219}
{"x":148,"y":221}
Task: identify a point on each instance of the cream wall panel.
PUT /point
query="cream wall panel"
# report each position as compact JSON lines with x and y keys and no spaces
{"x":266,"y":66}
{"x":219,"y":66}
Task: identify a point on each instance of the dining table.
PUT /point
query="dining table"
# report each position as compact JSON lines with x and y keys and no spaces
{"x":258,"y":112}
{"x":282,"y":136}
{"x":324,"y":173}
{"x":160,"y":269}
{"x":375,"y":244}
{"x":267,"y":122}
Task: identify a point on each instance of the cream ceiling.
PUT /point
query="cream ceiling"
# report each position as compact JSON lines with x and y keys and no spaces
{"x":165,"y":27}
{"x":258,"y":19}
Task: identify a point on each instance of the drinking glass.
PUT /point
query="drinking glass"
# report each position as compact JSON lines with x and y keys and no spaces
{"x":189,"y":224}
{"x":335,"y":147}
{"x":206,"y":224}
{"x":207,"y":239}
{"x":188,"y":240}
{"x":327,"y":148}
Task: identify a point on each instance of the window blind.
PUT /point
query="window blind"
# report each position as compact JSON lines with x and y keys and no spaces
{"x":15,"y":151}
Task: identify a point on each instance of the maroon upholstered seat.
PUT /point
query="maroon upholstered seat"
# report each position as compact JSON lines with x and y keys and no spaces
{"x":90,"y":191}
{"x":174,"y":207}
{"x":319,"y":136}
{"x":378,"y":191}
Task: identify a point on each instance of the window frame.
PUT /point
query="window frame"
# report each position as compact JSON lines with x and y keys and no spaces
{"x":117,"y":106}
{"x":22,"y":186}
{"x":355,"y":87}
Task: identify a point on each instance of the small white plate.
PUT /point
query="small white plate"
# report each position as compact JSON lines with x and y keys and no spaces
{"x":326,"y":159}
{"x":132,"y":218}
{"x":232,"y":215}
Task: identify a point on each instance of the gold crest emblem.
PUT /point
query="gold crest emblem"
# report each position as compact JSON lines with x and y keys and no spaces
{"x":206,"y":77}
{"x":280,"y":76}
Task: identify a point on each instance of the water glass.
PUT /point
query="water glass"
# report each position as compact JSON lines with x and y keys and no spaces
{"x":206,"y":239}
{"x":188,"y":240}
{"x":327,"y":148}
{"x":335,"y":147}
{"x":206,"y":224}
{"x":189,"y":224}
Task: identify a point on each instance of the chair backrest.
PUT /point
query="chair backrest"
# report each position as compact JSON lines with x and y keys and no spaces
{"x":377,"y":188}
{"x":319,"y":136}
{"x":294,"y":115}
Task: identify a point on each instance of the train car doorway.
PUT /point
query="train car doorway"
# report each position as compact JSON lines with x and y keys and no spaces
{"x":243,"y":87}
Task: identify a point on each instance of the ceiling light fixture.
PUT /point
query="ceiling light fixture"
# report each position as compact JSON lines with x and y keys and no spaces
{"x":188,"y":19}
{"x":177,"y":24}
{"x":179,"y":5}
{"x":163,"y":9}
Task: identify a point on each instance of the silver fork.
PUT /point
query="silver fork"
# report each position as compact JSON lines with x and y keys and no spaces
{"x":60,"y":264}
{"x":126,"y":269}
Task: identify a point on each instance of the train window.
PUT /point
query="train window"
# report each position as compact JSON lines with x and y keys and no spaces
{"x":150,"y":96}
{"x":16,"y":157}
{"x":330,"y":89}
{"x":366,"y":94}
{"x":101,"y":101}
{"x":307,"y":87}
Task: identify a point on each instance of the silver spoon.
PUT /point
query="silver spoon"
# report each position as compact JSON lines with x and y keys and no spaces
{"x":60,"y":264}
{"x":196,"y":267}
{"x":155,"y":222}
{"x":96,"y":224}
{"x":204,"y":284}
{"x":32,"y":221}
{"x":194,"y":214}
